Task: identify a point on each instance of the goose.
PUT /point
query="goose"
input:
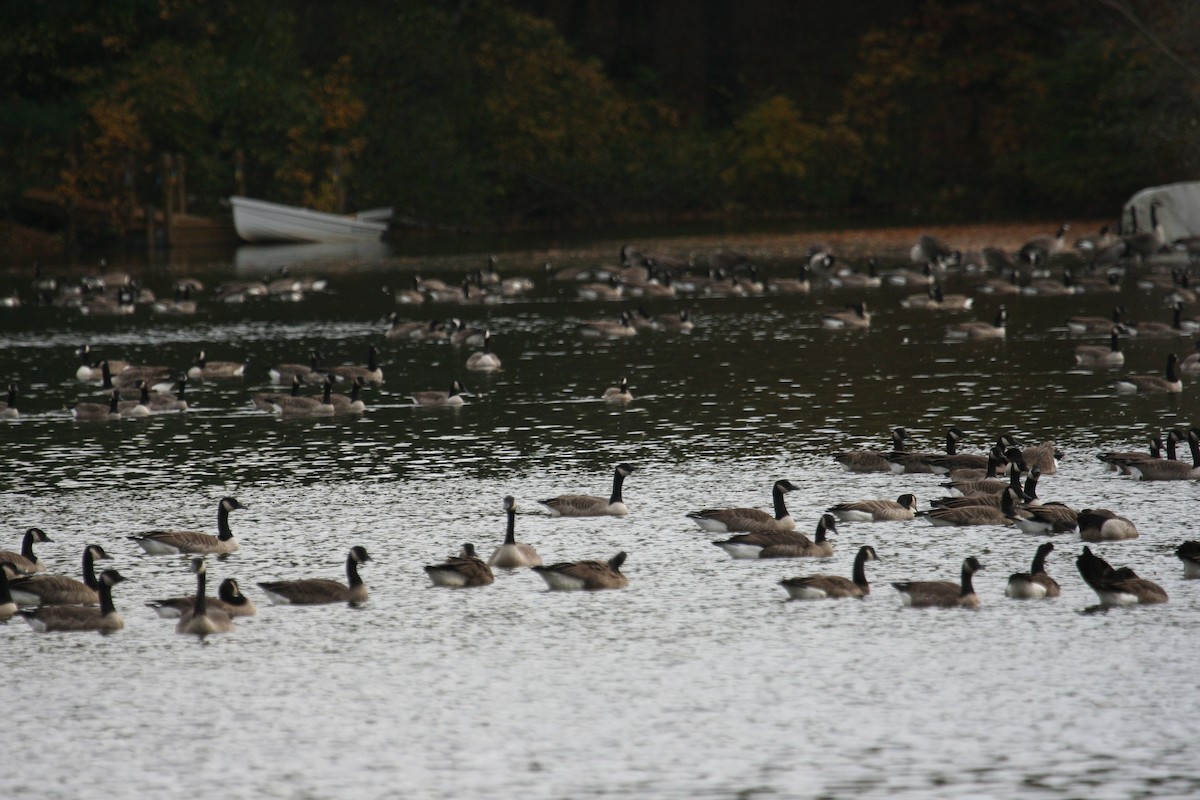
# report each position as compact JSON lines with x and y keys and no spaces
{"x":26,"y":560}
{"x":371,"y":373}
{"x":1044,"y":456}
{"x":55,"y":590}
{"x":980,"y":330}
{"x":1102,"y":525}
{"x":999,"y":461}
{"x":89,"y":371}
{"x":287,"y":373}
{"x":413,"y":296}
{"x":1052,"y":288}
{"x":618,"y":394}
{"x":293,"y":407}
{"x":675,"y":322}
{"x":1089,"y":355}
{"x":1094,"y":283}
{"x":166,"y":402}
{"x":81,"y":618}
{"x":139,"y":407}
{"x":316,"y":591}
{"x":908,"y":277}
{"x":800,"y":285}
{"x":834,"y":587}
{"x":1118,"y":461}
{"x":434,"y":329}
{"x":484,"y":360}
{"x":181,"y":304}
{"x":971,"y":515}
{"x":451,"y":398}
{"x":1189,"y":554}
{"x":871,"y":460}
{"x":8,"y":606}
{"x":1163,"y":330}
{"x":272,"y":401}
{"x":353,"y":403}
{"x":201,"y":619}
{"x":586,"y":575}
{"x":608,"y":329}
{"x":1042,"y":518}
{"x":855,"y":315}
{"x":203,"y":369}
{"x":1086,"y":246}
{"x":611,"y":290}
{"x":729,"y":520}
{"x":160,"y":543}
{"x":931,"y":250}
{"x":1169,"y":383}
{"x":462,"y":334}
{"x":906,"y":462}
{"x":229,"y":599}
{"x":903,"y":507}
{"x":985,"y":492}
{"x":582,"y":505}
{"x":857,"y":280}
{"x":98,"y":412}
{"x":8,"y":406}
{"x":1190,"y":365}
{"x":513,"y":554}
{"x":1168,"y":469}
{"x":942,"y":594}
{"x":935,"y":299}
{"x":129,"y":377}
{"x":1084,"y":324}
{"x":1116,"y":587}
{"x":1038,"y":249}
{"x":1002,"y":285}
{"x":781,"y":543}
{"x":1035,"y":584}
{"x":461,"y":571}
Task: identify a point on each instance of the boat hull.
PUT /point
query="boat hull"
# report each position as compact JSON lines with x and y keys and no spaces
{"x":261,"y":221}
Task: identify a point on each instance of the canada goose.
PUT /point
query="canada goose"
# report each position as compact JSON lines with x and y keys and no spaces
{"x":906,"y":462}
{"x":413,"y":296}
{"x":587,"y":575}
{"x":203,"y":369}
{"x":943,"y":594}
{"x":91,"y":371}
{"x":930,"y":249}
{"x":1089,"y":355}
{"x":1162,"y":330}
{"x":871,"y":460}
{"x":352,"y":404}
{"x":26,"y":560}
{"x":1168,"y":469}
{"x":1051,"y":288}
{"x":729,"y":520}
{"x":1118,"y":461}
{"x":1102,"y":525}
{"x":372,"y":373}
{"x":81,"y":618}
{"x":1038,"y":249}
{"x":1044,"y":456}
{"x":781,"y":543}
{"x":1189,"y":554}
{"x":55,"y":590}
{"x":166,"y":402}
{"x":8,"y":407}
{"x":980,"y":330}
{"x":583,"y":505}
{"x":857,"y":280}
{"x":972,"y":515}
{"x":908,"y":277}
{"x":484,"y":360}
{"x":161,"y":543}
{"x":608,"y":329}
{"x":618,"y":394}
{"x":181,"y":304}
{"x":903,"y":507}
{"x":1035,"y":584}
{"x":1083,"y":324}
{"x":272,"y":401}
{"x":1041,"y":518}
{"x":675,"y":322}
{"x":229,"y":599}
{"x":612,"y":290}
{"x":129,"y":377}
{"x":800,"y":285}
{"x":292,"y":407}
{"x":98,"y":412}
{"x":8,"y":606}
{"x":461,"y":334}
{"x":1190,"y":365}
{"x":139,"y":407}
{"x":1116,"y":587}
{"x":854,"y":316}
{"x":513,"y":554}
{"x":1170,"y":383}
{"x":998,"y":463}
{"x":287,"y":373}
{"x":935,"y":299}
{"x":461,"y":571}
{"x":983,"y":492}
{"x":450,"y":398}
{"x":1086,"y":246}
{"x":434,"y":329}
{"x":202,"y":619}
{"x":316,"y":591}
{"x":821,"y":587}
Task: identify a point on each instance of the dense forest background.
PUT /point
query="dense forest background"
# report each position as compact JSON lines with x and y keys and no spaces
{"x":484,"y":113}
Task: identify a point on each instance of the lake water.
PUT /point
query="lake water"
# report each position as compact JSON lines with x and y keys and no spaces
{"x":700,"y":679}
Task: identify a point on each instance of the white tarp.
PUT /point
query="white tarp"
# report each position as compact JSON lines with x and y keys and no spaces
{"x":1175,"y":206}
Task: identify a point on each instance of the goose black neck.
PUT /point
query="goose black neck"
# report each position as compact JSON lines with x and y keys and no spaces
{"x":144,"y":397}
{"x":967,"y":587}
{"x":618,"y":480}
{"x":352,"y":576}
{"x":200,"y":608}
{"x":1115,"y":343}
{"x":897,"y":442}
{"x":5,"y":595}
{"x":372,"y":359}
{"x":1172,"y":371}
{"x":223,"y":531}
{"x":179,"y":394}
{"x":106,"y":376}
{"x":27,"y":547}
{"x":860,"y":569}
{"x":12,"y":396}
{"x":820,"y":535}
{"x":106,"y":601}
{"x":777,"y":494}
{"x":951,"y":444}
{"x":510,"y":536}
{"x":1039,"y":562}
{"x":1194,"y":445}
{"x":89,"y":570}
{"x":112,"y":402}
{"x":1031,"y":486}
{"x":356,"y":392}
{"x":1172,"y":455}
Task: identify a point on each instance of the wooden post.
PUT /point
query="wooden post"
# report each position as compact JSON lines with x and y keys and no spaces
{"x":239,"y":172}
{"x":181,"y":183}
{"x":168,"y":181}
{"x":339,"y":186}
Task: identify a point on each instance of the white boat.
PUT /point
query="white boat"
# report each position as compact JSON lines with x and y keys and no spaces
{"x":260,"y":221}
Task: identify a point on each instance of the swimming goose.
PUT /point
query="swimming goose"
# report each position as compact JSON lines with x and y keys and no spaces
{"x":484,"y":360}
{"x":203,"y":369}
{"x":1035,"y":584}
{"x":130,"y":377}
{"x":972,"y":515}
{"x":1102,"y":525}
{"x":608,"y":329}
{"x":159,"y":543}
{"x":1118,"y":460}
{"x":998,"y":464}
{"x":903,"y":507}
{"x":618,"y":394}
{"x":317,"y":591}
{"x":906,"y":462}
{"x":1117,"y":587}
{"x":413,"y":296}
{"x":1038,"y":249}
{"x":353,"y":403}
{"x":1163,"y":330}
{"x":1041,"y":518}
{"x":986,"y":492}
{"x":1169,"y":469}
{"x":292,"y":407}
{"x":271,"y":401}
{"x":675,"y":322}
{"x":287,"y":373}
{"x":1189,"y":554}
{"x":8,"y":606}
{"x":371,"y":373}
{"x":931,"y":250}
{"x":1044,"y":456}
{"x":1090,"y":355}
{"x":81,"y":618}
{"x":1085,"y":324}
{"x":942,"y":594}
{"x":461,"y":571}
{"x":462,"y":334}
{"x":513,"y":554}
{"x":847,"y":279}
{"x":872,"y":460}
{"x":821,"y":587}
{"x":1169,"y":383}
{"x":612,"y":290}
{"x":91,"y":371}
{"x":582,"y":505}
{"x":728,"y":520}
{"x":202,"y":619}
{"x":8,"y":406}
{"x":166,"y":402}
{"x":98,"y":412}
{"x":229,"y":599}
{"x":26,"y":560}
{"x":855,"y":315}
{"x":586,"y":575}
{"x":789,"y":544}
{"x":53,"y":590}
{"x":139,"y":407}
{"x":450,"y":398}
{"x":1190,"y":365}
{"x":980,"y":330}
